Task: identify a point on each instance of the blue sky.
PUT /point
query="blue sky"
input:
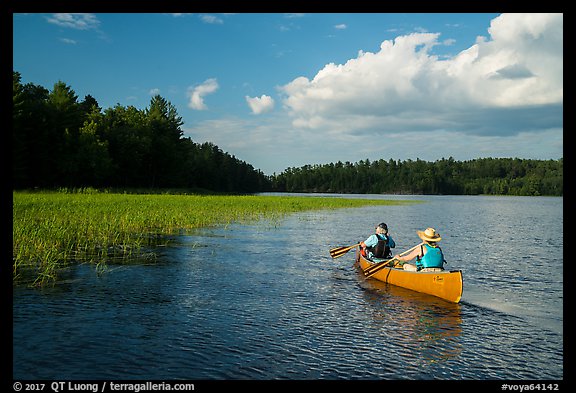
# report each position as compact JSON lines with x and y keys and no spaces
{"x":285,"y":90}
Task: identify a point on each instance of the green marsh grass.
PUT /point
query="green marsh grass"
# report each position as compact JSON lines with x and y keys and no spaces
{"x":53,"y":229}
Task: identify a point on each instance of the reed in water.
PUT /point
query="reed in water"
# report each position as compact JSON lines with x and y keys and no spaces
{"x":54,"y":229}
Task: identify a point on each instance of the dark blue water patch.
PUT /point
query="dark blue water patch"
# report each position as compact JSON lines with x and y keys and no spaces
{"x":294,"y":335}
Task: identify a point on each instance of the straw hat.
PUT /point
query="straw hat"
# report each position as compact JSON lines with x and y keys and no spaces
{"x":429,"y":235}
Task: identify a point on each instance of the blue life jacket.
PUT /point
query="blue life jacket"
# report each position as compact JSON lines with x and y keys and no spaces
{"x":432,"y":258}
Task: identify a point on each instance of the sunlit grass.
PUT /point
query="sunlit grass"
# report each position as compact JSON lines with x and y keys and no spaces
{"x":52,"y":230}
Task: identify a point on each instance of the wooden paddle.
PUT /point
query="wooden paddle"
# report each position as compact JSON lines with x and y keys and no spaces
{"x":339,"y":251}
{"x":369,"y":272}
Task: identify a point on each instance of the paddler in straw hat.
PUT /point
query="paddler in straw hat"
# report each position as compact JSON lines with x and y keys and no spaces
{"x":429,"y":256}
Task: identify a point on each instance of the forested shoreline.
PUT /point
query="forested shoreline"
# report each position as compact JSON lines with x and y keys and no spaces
{"x":493,"y":176}
{"x":61,"y":142}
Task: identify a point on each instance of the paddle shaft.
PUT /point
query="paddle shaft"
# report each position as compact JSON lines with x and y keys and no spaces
{"x":376,"y":267}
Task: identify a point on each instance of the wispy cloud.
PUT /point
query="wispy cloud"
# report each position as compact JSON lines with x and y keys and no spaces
{"x":211,"y":19}
{"x":68,"y":41}
{"x":75,"y":21}
{"x":341,"y":26}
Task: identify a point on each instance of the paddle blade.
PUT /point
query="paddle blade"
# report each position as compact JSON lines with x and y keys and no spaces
{"x":339,"y":251}
{"x":370,"y":271}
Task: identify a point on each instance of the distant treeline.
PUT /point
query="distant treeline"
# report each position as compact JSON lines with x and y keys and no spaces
{"x":61,"y":142}
{"x":500,"y":176}
{"x":58,"y":141}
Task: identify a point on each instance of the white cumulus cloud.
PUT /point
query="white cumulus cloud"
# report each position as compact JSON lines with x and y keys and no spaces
{"x":196,"y":94}
{"x":261,"y":104}
{"x":507,"y":83}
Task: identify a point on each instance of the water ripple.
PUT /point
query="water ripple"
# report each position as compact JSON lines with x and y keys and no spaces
{"x":269,"y":303}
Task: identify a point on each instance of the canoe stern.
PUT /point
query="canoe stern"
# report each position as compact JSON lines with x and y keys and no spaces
{"x":447,"y":285}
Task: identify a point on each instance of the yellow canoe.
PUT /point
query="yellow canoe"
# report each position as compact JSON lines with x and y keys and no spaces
{"x":446,"y":284}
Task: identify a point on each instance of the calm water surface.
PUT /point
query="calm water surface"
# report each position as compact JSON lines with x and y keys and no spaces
{"x":266,"y":301}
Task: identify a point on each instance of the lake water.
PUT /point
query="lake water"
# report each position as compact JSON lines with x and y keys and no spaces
{"x":266,"y":301}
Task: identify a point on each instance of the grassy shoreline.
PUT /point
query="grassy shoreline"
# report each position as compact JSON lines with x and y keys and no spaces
{"x":52,"y":230}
